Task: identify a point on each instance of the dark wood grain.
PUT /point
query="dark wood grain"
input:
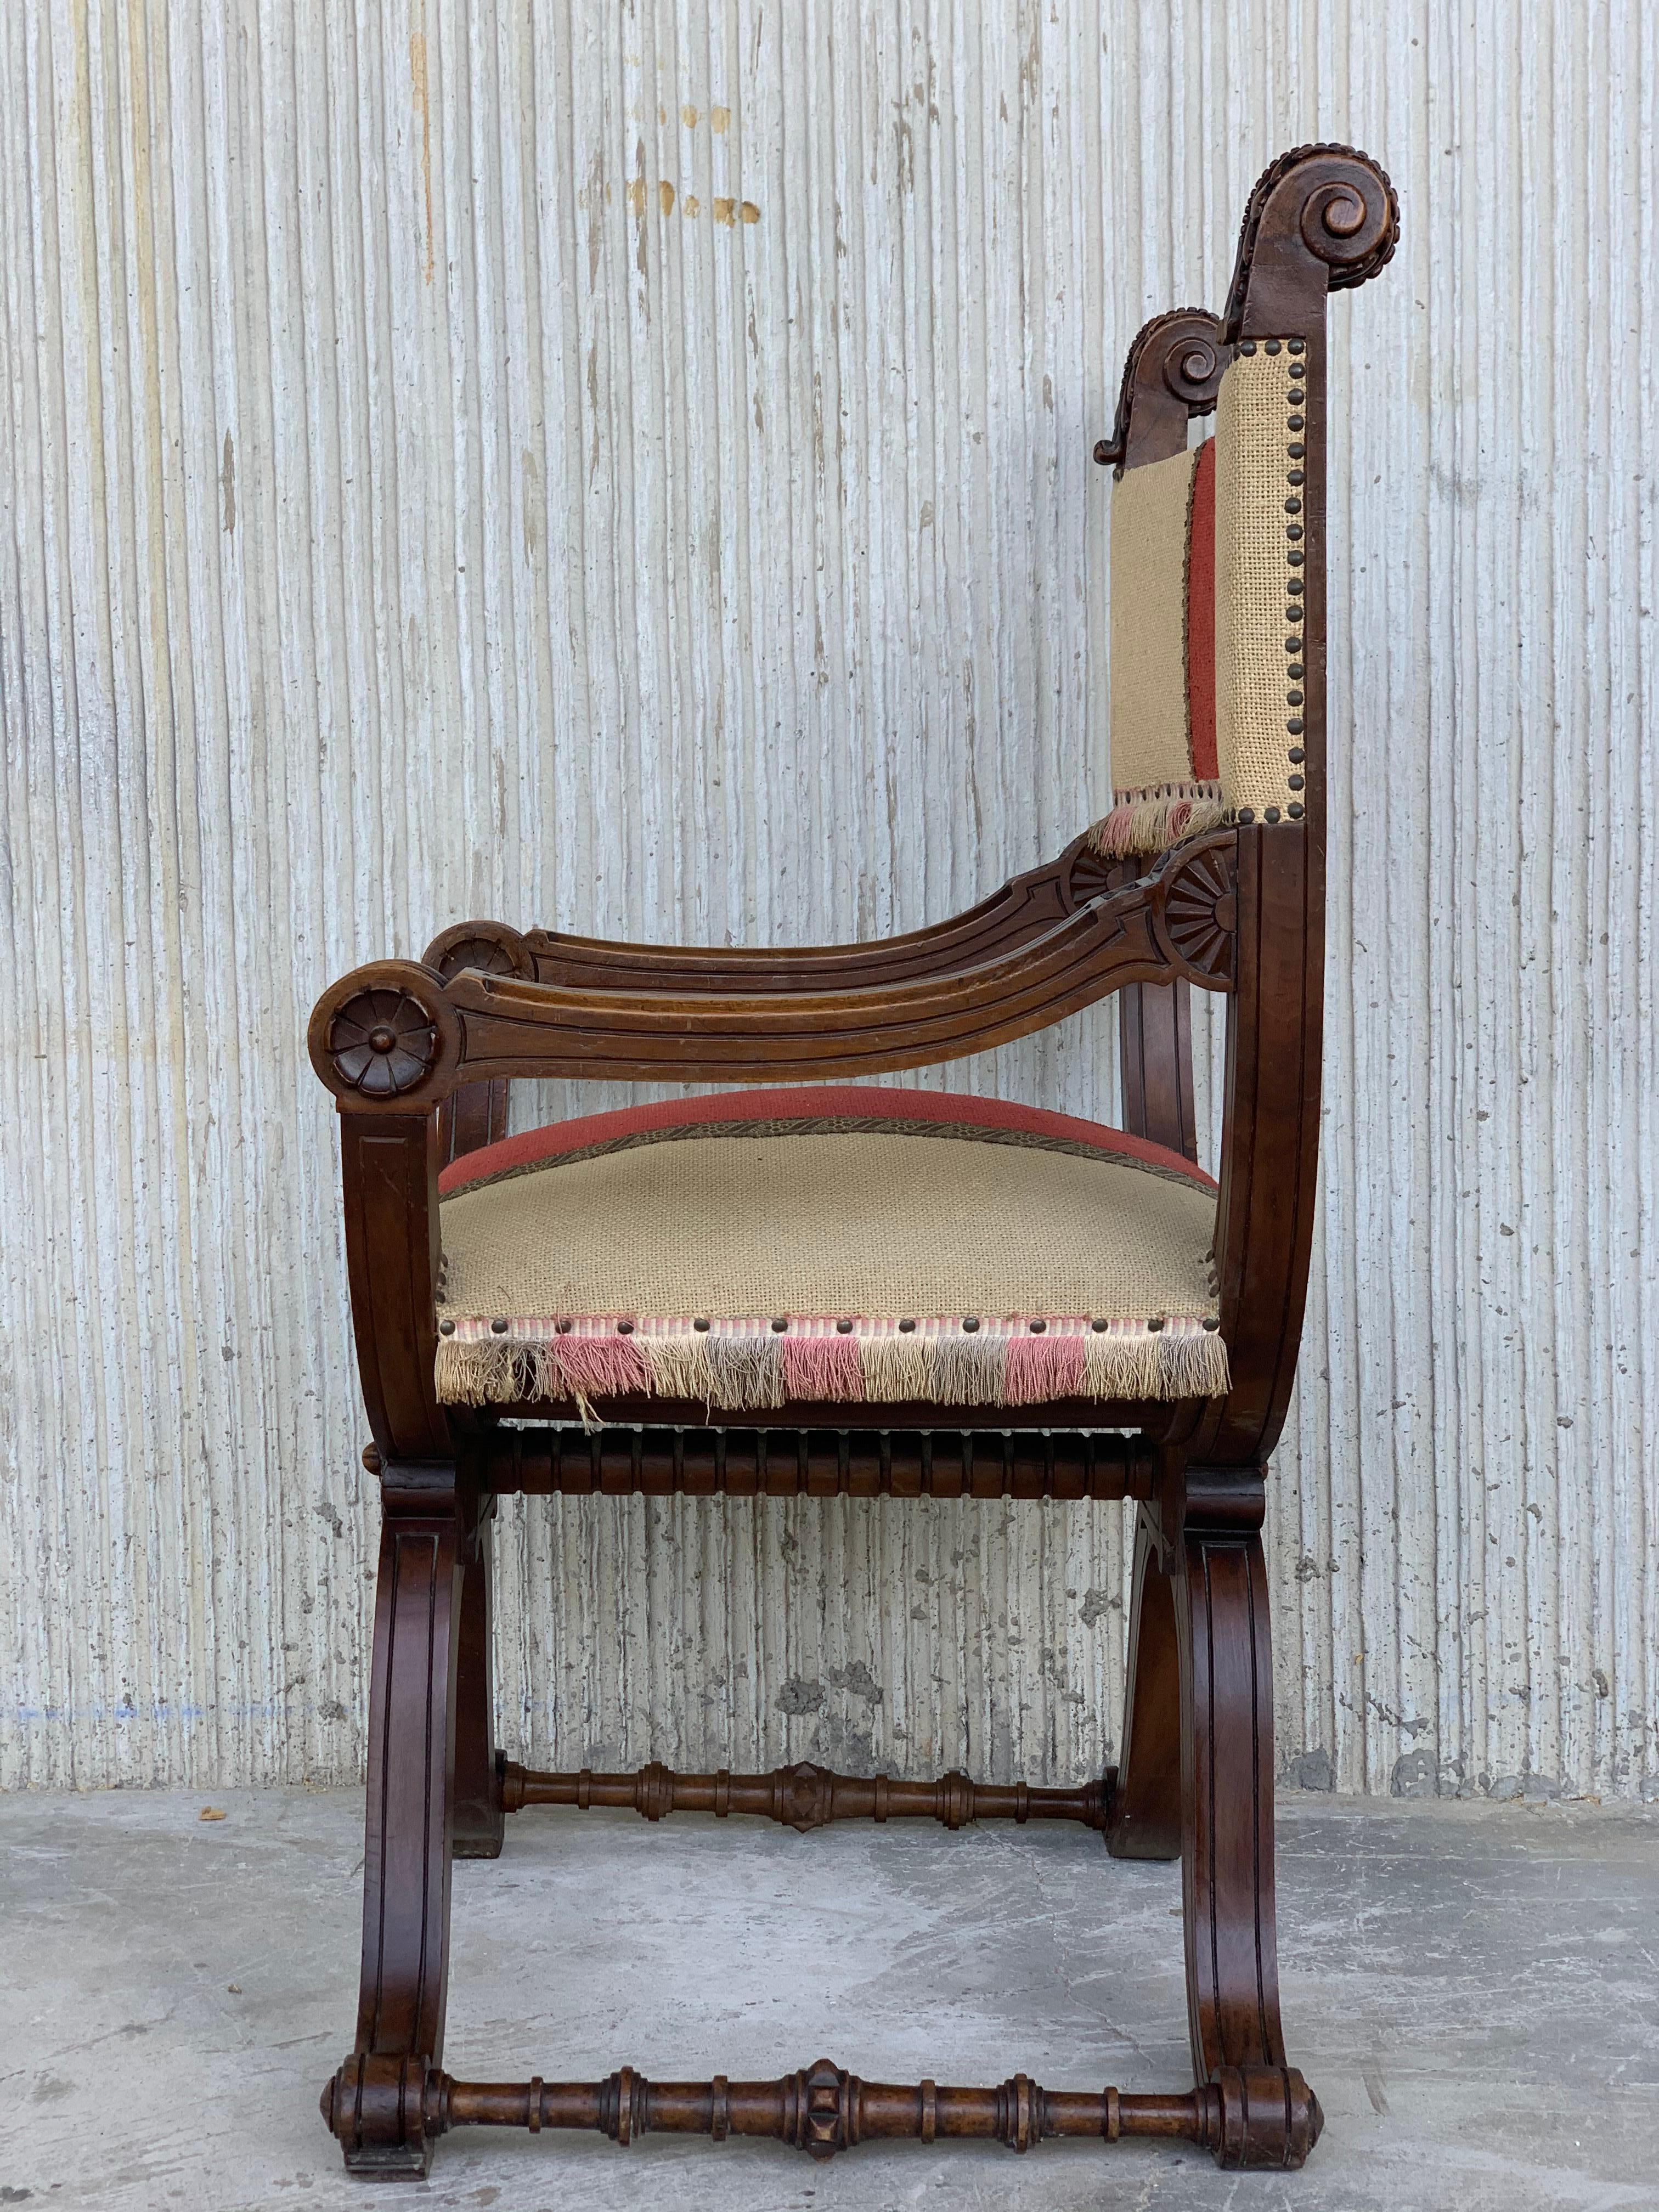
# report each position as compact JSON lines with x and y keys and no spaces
{"x":418,"y":1055}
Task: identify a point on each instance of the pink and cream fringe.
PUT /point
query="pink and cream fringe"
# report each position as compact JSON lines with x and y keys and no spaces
{"x":740,"y":1365}
{"x":1151,"y":821}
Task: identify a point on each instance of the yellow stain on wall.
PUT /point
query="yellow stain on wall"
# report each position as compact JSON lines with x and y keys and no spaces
{"x":719,"y":119}
{"x":666,"y":197}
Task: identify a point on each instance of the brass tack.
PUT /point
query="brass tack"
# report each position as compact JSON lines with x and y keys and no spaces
{"x":1294,"y":726}
{"x":1296,"y":673}
{"x":843,"y":1329}
{"x":561,"y":1328}
{"x":1299,"y":345}
{"x":1296,"y":782}
{"x":1247,"y":345}
{"x":625,"y":1329}
{"x":1297,"y":476}
{"x":1296,"y":452}
{"x":1293,"y":531}
{"x":1297,"y":753}
{"x":1212,"y":1322}
{"x":1295,"y":423}
{"x":1156,"y":1323}
{"x":1038,"y":1328}
{"x":701,"y":1322}
{"x":970,"y":1322}
{"x":1295,"y":812}
{"x":1293,"y":507}
{"x":907,"y":1327}
{"x":779,"y":1323}
{"x":1273,"y":814}
{"x":499,"y":1327}
{"x":446,"y":1328}
{"x":1292,"y":698}
{"x":1245,"y":814}
{"x":1296,"y":584}
{"x":1296,"y":560}
{"x":1098,"y":1327}
{"x":1272,"y":346}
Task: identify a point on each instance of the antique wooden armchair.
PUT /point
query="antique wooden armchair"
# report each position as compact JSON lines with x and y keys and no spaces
{"x":885,"y":1293}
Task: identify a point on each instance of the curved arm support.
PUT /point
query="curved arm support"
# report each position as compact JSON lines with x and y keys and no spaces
{"x":1019,"y":911}
{"x":399,"y":1031}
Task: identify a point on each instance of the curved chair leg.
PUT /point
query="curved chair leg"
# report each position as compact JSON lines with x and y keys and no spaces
{"x":375,"y":2105}
{"x":1268,"y":2115}
{"x":1145,"y":1821}
{"x":478,"y":1820}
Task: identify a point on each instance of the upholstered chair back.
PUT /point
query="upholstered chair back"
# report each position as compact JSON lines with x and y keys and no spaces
{"x":1207,"y":581}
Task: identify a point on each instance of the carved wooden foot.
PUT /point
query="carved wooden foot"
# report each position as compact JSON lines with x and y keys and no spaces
{"x":1269,"y":2116}
{"x":477,"y":1824}
{"x":411,"y":1750}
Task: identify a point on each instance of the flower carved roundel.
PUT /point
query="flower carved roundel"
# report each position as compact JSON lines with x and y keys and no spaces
{"x":382,"y":1043}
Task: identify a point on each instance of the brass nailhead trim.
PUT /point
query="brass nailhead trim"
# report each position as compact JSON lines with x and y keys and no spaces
{"x":780,"y":1323}
{"x":843,"y":1329}
{"x":1038,"y":1327}
{"x":625,"y":1329}
{"x":561,"y":1328}
{"x":907,"y":1327}
{"x":970,"y":1322}
{"x":498,"y":1327}
{"x":699,"y":1323}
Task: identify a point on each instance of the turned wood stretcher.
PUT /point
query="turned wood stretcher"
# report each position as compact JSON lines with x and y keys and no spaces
{"x":736,"y":1348}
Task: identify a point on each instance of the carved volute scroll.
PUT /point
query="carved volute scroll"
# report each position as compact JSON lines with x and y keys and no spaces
{"x":1171,"y":372}
{"x":1320,"y":218}
{"x":384,"y":1035}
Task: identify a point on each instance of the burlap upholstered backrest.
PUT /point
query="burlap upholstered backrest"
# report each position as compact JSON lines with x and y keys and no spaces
{"x":1207,"y":588}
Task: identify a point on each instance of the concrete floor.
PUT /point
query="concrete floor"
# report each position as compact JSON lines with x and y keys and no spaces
{"x":1473,"y":1990}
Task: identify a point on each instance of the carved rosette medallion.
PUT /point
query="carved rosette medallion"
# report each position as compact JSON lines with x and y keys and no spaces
{"x":489,"y":948}
{"x":1195,"y":912}
{"x":382,"y":1044}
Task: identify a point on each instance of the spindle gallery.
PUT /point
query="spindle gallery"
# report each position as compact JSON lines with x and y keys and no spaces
{"x":818,"y":1288}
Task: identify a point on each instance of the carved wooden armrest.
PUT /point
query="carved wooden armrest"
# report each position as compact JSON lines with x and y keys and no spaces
{"x":399,"y":1035}
{"x":1021,"y":909}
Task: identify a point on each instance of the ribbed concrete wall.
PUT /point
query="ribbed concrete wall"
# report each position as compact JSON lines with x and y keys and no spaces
{"x":626,"y":467}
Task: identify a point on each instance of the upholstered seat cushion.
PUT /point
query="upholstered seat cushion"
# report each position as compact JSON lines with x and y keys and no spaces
{"x":755,"y":1248}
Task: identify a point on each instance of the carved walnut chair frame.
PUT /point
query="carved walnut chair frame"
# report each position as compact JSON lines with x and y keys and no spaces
{"x":1239,"y":911}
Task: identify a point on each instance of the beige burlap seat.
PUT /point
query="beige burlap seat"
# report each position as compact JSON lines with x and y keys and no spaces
{"x":823,"y":1244}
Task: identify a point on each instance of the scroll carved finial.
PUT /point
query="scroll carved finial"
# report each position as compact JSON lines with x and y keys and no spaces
{"x":1328,"y":209}
{"x":384,"y":1033}
{"x":1171,"y":372}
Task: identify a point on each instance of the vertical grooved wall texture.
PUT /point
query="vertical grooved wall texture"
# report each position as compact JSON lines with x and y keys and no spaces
{"x":628,"y":466}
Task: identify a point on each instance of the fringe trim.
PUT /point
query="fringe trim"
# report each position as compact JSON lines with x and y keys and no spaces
{"x":740,"y":1366}
{"x":1143,"y":823}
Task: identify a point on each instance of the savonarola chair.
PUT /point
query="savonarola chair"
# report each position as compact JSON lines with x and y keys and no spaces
{"x":822,"y":1289}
